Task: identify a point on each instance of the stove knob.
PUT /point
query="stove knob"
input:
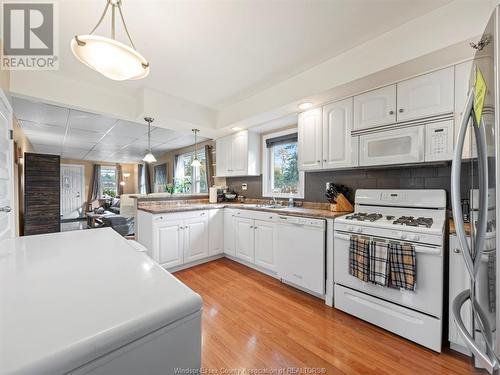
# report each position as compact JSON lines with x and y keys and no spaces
{"x":415,"y":237}
{"x":403,"y":236}
{"x":350,"y":228}
{"x":359,"y":230}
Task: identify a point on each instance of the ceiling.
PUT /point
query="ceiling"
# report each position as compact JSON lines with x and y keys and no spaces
{"x":216,"y":53}
{"x":87,"y":136}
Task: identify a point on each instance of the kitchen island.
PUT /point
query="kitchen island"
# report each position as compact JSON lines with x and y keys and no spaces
{"x":88,"y":302}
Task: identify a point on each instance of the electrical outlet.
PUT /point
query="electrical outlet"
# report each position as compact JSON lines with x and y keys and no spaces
{"x":244,"y":186}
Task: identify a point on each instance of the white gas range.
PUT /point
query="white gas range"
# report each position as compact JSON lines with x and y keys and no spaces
{"x":415,"y":217}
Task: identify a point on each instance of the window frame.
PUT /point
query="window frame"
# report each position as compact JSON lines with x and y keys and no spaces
{"x":266,"y":168}
{"x":100,"y":178}
{"x":195,"y":175}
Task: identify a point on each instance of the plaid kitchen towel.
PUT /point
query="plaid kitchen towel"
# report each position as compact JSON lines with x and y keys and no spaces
{"x":402,"y":263}
{"x":379,"y":263}
{"x":359,"y":258}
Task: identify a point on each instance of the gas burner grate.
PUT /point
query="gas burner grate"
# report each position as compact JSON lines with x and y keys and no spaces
{"x":414,"y":222}
{"x":363,"y":216}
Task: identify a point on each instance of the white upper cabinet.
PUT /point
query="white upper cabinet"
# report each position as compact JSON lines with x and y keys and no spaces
{"x":375,"y":108}
{"x":339,"y":148}
{"x":238,"y":154}
{"x":426,"y":95}
{"x":310,"y":140}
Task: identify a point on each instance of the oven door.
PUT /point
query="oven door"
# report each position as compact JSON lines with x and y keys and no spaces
{"x":395,"y":146}
{"x":428,"y":294}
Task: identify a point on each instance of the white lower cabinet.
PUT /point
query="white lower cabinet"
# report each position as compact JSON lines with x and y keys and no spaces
{"x":216,"y":231}
{"x":244,"y":236}
{"x":196,"y":238}
{"x":265,"y":244}
{"x":170,"y":243}
{"x":229,"y":231}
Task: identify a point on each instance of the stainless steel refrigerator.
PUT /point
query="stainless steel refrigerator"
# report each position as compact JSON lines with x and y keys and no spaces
{"x":474,"y":177}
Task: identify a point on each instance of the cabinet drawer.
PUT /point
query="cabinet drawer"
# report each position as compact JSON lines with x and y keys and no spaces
{"x":160,"y":218}
{"x":255,"y":215}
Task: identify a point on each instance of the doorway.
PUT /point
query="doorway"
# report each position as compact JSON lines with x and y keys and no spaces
{"x":72,"y":191}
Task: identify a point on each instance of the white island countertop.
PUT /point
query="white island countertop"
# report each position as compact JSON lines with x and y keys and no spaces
{"x":67,"y":298}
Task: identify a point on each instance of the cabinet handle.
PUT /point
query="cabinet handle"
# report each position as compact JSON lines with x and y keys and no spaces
{"x":391,"y":112}
{"x":324,"y":160}
{"x":401,"y":110}
{"x":456,"y":251}
{"x":319,"y":161}
{"x":202,"y":214}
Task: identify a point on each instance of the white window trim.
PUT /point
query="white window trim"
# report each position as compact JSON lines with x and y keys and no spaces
{"x":196,"y":175}
{"x":266,"y":167}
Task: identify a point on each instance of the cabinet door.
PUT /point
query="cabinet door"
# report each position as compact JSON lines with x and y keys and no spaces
{"x":265,"y":245}
{"x":426,"y":95}
{"x":310,"y":140}
{"x":228,"y":232}
{"x":196,"y":238}
{"x":222,"y":156}
{"x":338,"y":146}
{"x":244,"y":239}
{"x":239,"y":154}
{"x":375,"y":108}
{"x":216,"y":231}
{"x":170,"y":243}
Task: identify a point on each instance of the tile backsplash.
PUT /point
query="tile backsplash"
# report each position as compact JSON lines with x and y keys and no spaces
{"x":432,"y":176}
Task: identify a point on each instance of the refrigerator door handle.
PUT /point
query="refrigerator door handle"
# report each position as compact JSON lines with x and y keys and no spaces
{"x":488,"y":359}
{"x":456,"y":194}
{"x":482,"y":221}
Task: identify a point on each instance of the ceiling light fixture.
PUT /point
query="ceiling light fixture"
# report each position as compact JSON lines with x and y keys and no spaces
{"x":304,"y":106}
{"x":149,"y":157}
{"x":109,"y":57}
{"x":196,"y":163}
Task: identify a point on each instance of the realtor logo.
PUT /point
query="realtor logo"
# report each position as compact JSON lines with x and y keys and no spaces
{"x":29,"y":36}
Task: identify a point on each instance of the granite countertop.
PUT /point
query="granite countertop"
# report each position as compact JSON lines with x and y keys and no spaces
{"x":452,"y":227}
{"x":295,"y":211}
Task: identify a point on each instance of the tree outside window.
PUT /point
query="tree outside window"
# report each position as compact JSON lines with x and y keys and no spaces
{"x":108,"y":181}
{"x":189,"y":180}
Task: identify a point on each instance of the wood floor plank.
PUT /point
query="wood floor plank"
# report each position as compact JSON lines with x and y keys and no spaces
{"x":253,"y":321}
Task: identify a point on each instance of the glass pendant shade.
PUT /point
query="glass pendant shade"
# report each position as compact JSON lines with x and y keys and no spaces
{"x":149,"y":158}
{"x":196,"y":163}
{"x":109,"y":57}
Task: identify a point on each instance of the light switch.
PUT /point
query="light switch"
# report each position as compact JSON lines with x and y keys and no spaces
{"x":244,"y":186}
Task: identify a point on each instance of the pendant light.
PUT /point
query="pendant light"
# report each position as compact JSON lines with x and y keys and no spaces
{"x":109,"y":57}
{"x":196,"y":163}
{"x":149,"y":157}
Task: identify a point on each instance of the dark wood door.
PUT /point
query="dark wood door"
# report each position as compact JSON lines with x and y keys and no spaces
{"x":42,"y":203}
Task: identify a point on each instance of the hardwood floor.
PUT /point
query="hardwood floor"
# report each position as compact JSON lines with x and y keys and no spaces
{"x":253,"y":321}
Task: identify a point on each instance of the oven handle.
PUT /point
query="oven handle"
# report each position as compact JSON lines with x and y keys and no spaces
{"x":418,"y":248}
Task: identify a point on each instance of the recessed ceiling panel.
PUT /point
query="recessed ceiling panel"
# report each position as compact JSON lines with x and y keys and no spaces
{"x":90,"y":121}
{"x":39,"y":112}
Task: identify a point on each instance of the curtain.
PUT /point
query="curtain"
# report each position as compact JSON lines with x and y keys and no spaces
{"x":209,"y":157}
{"x":179,"y":168}
{"x":119,"y":178}
{"x":95,"y":184}
{"x":144,"y":183}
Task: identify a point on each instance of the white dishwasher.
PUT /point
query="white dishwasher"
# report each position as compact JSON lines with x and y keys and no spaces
{"x":301,"y":252}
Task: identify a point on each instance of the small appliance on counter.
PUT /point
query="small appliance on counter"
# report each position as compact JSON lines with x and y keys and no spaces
{"x":230,"y":196}
{"x":213,"y":194}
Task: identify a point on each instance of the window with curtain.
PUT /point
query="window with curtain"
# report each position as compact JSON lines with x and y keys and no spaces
{"x":189,"y":180}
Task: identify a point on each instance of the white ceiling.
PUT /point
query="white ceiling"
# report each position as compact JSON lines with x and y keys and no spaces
{"x":81,"y":135}
{"x":216,"y":53}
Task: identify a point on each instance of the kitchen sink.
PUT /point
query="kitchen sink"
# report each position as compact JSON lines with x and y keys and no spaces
{"x":273,"y":206}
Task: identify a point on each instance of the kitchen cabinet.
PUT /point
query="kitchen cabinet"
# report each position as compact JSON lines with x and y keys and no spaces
{"x":238,"y":154}
{"x":216,"y":231}
{"x":339,"y":148}
{"x":170,"y":237}
{"x":426,"y":95}
{"x":265,"y":245}
{"x":196,"y":238}
{"x":375,"y":108}
{"x":244,"y":239}
{"x":229,"y":231}
{"x":310,"y":140}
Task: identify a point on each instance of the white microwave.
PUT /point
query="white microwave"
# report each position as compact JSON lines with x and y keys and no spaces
{"x":415,"y":144}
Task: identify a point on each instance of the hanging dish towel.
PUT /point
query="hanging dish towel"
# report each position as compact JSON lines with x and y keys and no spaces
{"x":359,"y":258}
{"x":402,"y":263}
{"x":379,"y":263}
